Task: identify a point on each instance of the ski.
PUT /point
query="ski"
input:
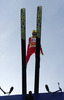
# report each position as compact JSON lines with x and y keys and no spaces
{"x":23,"y":48}
{"x":37,"y":64}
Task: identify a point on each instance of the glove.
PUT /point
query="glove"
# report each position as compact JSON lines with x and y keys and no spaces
{"x":42,"y":53}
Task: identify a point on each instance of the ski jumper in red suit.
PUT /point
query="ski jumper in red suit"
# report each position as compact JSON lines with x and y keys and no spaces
{"x":32,"y":48}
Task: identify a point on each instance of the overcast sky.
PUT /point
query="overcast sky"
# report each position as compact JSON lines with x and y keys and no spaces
{"x":52,"y":41}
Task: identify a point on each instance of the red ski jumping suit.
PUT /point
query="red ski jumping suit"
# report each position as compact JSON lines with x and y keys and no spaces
{"x":32,"y":48}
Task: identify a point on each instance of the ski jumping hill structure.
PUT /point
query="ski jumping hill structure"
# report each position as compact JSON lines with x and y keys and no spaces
{"x":39,"y":96}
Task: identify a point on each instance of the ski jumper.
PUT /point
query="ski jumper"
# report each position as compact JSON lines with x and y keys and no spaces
{"x":31,"y":48}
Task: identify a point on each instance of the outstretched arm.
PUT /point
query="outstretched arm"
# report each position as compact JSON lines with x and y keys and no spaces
{"x":41,"y":50}
{"x":28,"y":44}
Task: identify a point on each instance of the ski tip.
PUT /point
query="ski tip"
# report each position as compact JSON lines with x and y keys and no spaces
{"x":22,"y":9}
{"x":39,"y":7}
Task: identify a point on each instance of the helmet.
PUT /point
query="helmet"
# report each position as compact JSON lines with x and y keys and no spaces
{"x":34,"y":32}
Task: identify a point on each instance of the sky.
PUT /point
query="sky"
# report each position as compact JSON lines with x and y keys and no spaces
{"x":52,"y":39}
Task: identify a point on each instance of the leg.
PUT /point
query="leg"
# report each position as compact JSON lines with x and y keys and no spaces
{"x":29,"y":53}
